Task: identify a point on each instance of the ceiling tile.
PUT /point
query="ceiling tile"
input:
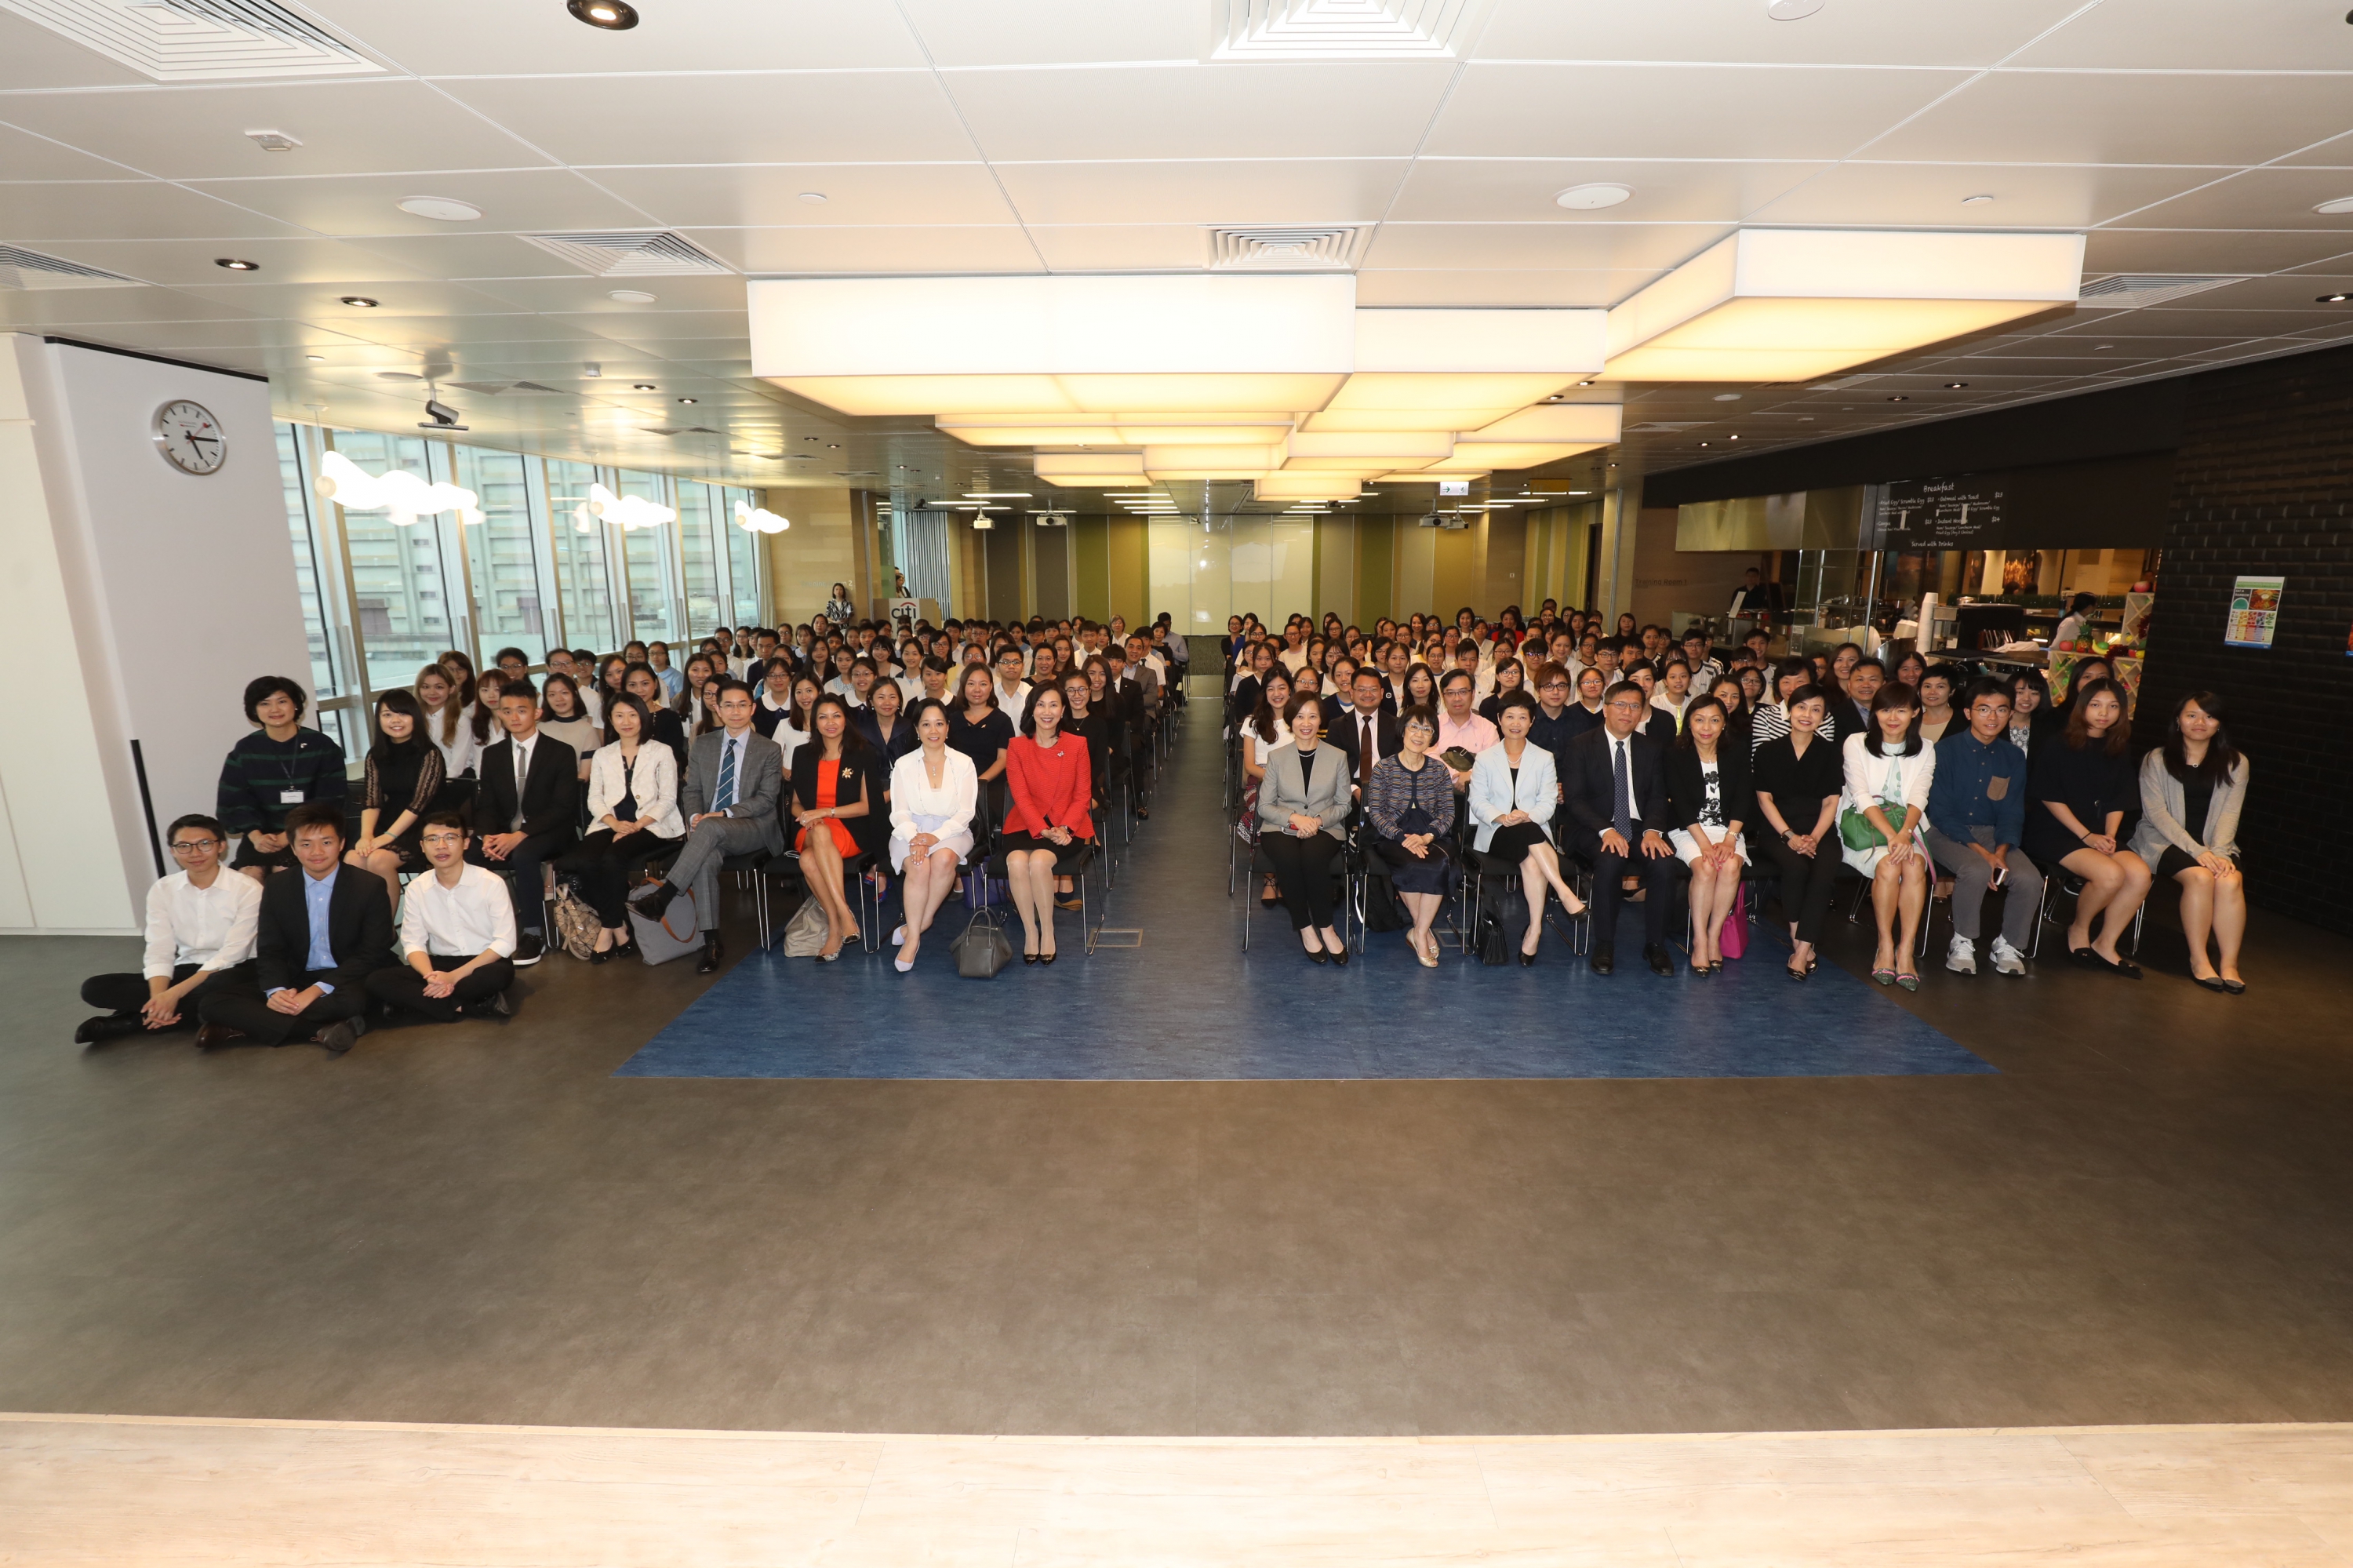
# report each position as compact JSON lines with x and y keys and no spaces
{"x":1132,"y":247}
{"x":1330,"y":109}
{"x":1607,"y":247}
{"x":456,"y":253}
{"x":174,"y":262}
{"x":33,"y":56}
{"x":353,"y":125}
{"x":1236,"y":191}
{"x":512,"y":200}
{"x":1676,"y":112}
{"x":122,"y":209}
{"x":1041,"y":32}
{"x":654,"y":326}
{"x":2144,"y":328}
{"x":758,"y":195}
{"x":1973,"y":35}
{"x":2206,"y":250}
{"x":592,"y":296}
{"x":2091,"y":117}
{"x":321,"y":303}
{"x":435,"y":37}
{"x":2025,"y":195}
{"x":2288,"y":290}
{"x":976,"y":249}
{"x":725,"y":118}
{"x":2195,"y":35}
{"x":46,"y":308}
{"x":2258,"y":198}
{"x":1550,"y":286}
{"x":261,"y":335}
{"x":26,"y":156}
{"x":1521,"y":189}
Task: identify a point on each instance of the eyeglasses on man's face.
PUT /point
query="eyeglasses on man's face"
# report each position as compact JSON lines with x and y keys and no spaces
{"x":194,"y":846}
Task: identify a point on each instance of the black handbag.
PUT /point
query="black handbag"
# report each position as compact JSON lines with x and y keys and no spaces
{"x":983,"y":949}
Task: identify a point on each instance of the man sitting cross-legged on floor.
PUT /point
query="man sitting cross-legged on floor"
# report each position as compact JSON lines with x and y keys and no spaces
{"x":457,"y":935}
{"x":321,"y":934}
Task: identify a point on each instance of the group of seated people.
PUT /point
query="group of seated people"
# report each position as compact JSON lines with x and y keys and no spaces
{"x":1663,"y":764}
{"x":630,"y":784}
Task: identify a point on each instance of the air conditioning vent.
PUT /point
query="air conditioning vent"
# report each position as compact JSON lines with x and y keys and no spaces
{"x":1343,"y":29}
{"x":2130,"y":291}
{"x":1666,"y":425}
{"x":21,"y":269}
{"x":1305,"y":250}
{"x":200,"y":40}
{"x":507,"y":388}
{"x":628,"y":255}
{"x":681,"y":430}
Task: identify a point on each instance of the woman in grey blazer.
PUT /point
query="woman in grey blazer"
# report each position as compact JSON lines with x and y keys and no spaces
{"x":1303,"y":803}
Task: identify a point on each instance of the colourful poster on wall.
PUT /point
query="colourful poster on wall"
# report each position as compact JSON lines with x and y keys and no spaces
{"x":2255,"y":612}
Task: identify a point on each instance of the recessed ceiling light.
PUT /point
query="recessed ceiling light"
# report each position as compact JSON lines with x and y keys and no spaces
{"x":316,"y":358}
{"x":643,"y":386}
{"x":1899,"y":398}
{"x":1727,"y":396}
{"x":1592,"y":197}
{"x":2097,"y":347}
{"x":2341,"y":204}
{"x":686,"y":399}
{"x":631,"y":296}
{"x":235,"y":265}
{"x":448,"y":209}
{"x":1791,"y":10}
{"x":2331,"y":299}
{"x":1978,"y":201}
{"x":613,"y":15}
{"x":1732,"y":437}
{"x":1584,"y":383}
{"x":814,"y":199}
{"x":1954,"y":385}
{"x":359,"y":302}
{"x":1708,"y":443}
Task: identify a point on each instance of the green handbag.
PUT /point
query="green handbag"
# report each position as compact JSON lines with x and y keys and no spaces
{"x":1855,"y":829}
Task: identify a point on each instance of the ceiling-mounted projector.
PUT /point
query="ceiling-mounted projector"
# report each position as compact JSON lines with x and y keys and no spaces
{"x":1051,"y":519}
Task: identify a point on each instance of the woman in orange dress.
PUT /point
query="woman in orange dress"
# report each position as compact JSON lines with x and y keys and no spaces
{"x":829,"y":792}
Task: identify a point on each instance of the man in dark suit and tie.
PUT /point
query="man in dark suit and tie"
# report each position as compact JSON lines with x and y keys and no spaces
{"x":735,"y":779}
{"x":526,"y":811}
{"x":1616,"y":793}
{"x":1367,"y":730}
{"x":320,"y":934}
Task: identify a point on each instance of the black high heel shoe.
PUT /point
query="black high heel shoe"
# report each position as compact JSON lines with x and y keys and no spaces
{"x":1527,"y":961}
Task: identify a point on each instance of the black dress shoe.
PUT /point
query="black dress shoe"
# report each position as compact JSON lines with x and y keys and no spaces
{"x":339,"y":1038}
{"x":2211,"y":982}
{"x":2236,"y":988}
{"x":1527,"y":961}
{"x":1318,"y":956}
{"x":1340,"y":958}
{"x":651,"y":905}
{"x":109,"y":1026}
{"x":213,"y":1034}
{"x":1660,"y":961}
{"x":495,"y":1005}
{"x":530,"y":948}
{"x":1604,"y":961}
{"x":712,"y":953}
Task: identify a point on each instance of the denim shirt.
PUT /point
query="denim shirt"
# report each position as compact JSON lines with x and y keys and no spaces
{"x":1963,"y":794}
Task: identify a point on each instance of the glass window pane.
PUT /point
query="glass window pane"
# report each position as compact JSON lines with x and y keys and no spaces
{"x":699,"y":560}
{"x":743,"y":560}
{"x":580,"y":564}
{"x":647,"y":551}
{"x":502,"y":553}
{"x":401,"y":588}
{"x":302,"y":526}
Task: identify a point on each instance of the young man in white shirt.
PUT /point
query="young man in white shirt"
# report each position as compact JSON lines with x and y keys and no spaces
{"x":1012,"y":691}
{"x":200,"y":937}
{"x":457,"y":935}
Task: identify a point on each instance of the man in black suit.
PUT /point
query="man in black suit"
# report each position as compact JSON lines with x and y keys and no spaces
{"x":1367,"y":730}
{"x":526,"y":812}
{"x":319,"y":935}
{"x":1616,"y":793}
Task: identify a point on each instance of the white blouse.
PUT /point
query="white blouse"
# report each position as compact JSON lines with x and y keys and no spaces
{"x":1870,"y":778}
{"x":458,"y":756}
{"x":912,"y":794}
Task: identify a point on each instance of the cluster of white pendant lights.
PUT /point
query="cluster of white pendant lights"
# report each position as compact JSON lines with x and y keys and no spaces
{"x":629,"y":512}
{"x":1283,"y":381}
{"x":401,"y":494}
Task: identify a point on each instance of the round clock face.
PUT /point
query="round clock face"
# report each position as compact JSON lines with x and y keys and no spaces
{"x":190,"y":438}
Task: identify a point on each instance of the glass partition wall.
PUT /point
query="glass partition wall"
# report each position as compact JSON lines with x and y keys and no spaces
{"x":380,"y":600}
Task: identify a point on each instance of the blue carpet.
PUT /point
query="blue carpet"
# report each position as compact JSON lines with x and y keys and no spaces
{"x":1206,"y":1011}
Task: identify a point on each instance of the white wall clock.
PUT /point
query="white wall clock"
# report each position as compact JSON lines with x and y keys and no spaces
{"x":189,"y":438}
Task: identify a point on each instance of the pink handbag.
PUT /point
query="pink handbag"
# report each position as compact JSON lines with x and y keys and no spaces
{"x":1732,"y":941}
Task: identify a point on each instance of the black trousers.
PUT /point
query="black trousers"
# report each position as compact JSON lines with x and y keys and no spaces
{"x":522,"y":870}
{"x":247,"y":1012}
{"x":404,"y":988}
{"x":1302,"y":874}
{"x":1609,"y":870}
{"x":126,"y":994}
{"x":1806,"y":884}
{"x":607,"y":866}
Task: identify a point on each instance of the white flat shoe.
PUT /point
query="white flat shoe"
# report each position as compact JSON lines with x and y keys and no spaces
{"x":899,"y":937}
{"x":903,"y":965}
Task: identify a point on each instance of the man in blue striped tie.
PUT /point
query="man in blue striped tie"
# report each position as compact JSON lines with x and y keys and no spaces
{"x":734,"y":779}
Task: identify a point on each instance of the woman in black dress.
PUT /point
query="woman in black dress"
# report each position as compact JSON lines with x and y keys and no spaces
{"x":2078,"y":788}
{"x":403,"y":775}
{"x":1798,"y":780}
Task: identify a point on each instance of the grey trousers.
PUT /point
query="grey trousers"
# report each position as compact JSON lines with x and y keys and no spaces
{"x":2022,"y":892}
{"x":708,"y":842}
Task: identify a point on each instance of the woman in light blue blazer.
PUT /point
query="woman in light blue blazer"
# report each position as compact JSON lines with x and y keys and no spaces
{"x":1514,"y":794}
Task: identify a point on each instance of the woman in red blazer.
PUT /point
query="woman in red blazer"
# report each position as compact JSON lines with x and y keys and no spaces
{"x":1053,"y":784}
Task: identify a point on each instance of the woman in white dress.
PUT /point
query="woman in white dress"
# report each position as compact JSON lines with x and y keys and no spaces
{"x":1888,"y":772}
{"x":934,"y":793}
